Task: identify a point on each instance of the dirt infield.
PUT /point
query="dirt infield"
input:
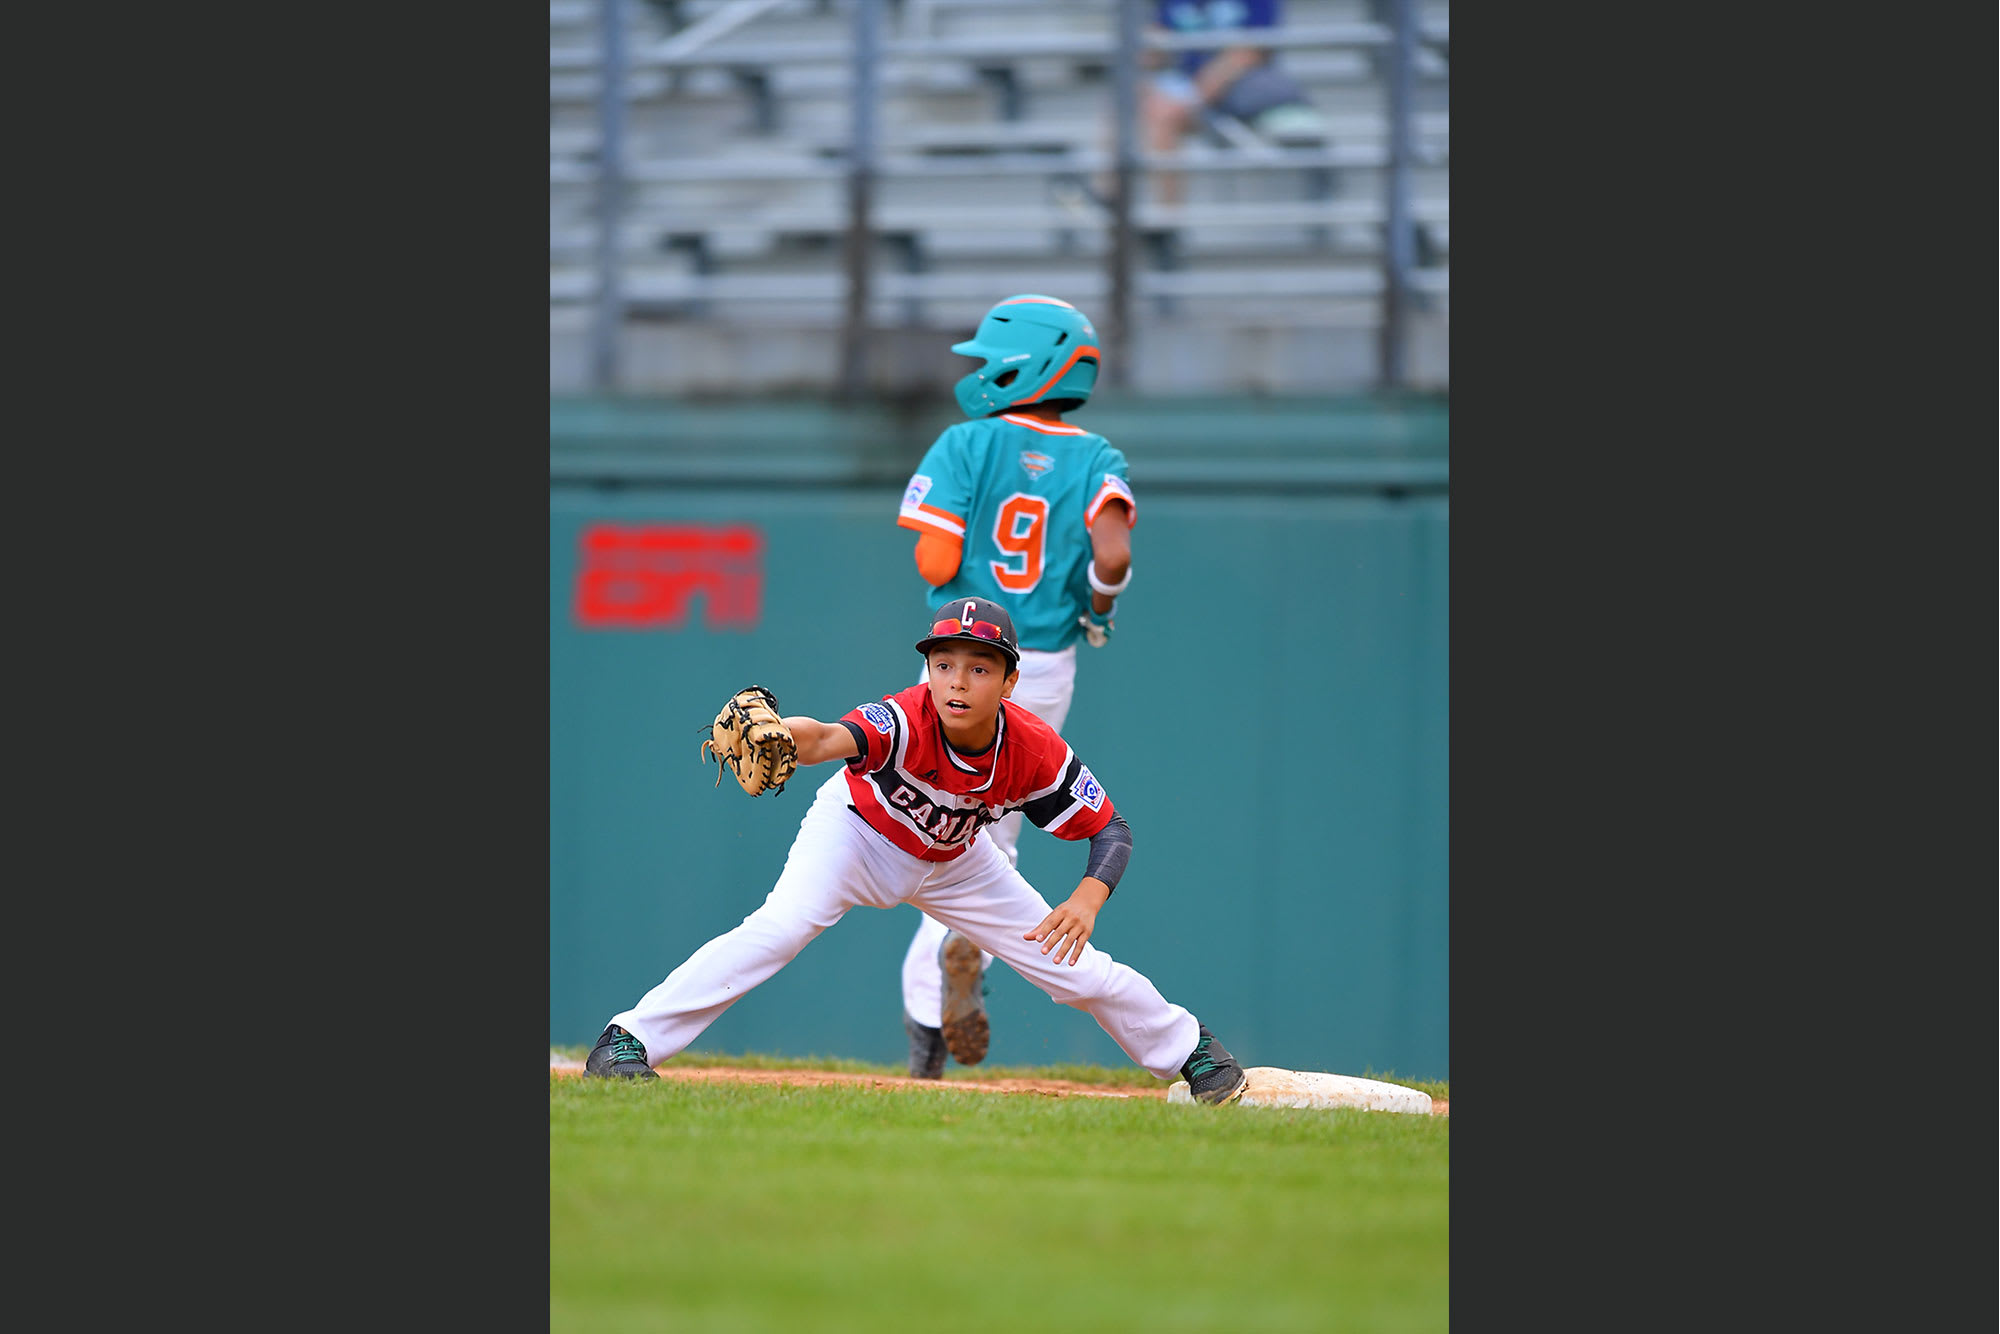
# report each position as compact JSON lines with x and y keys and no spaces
{"x":1047,"y":1088}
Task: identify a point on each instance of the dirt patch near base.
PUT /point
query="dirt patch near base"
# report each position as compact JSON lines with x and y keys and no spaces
{"x":1051,"y":1088}
{"x":1048,"y":1088}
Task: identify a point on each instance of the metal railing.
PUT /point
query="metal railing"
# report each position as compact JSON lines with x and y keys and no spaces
{"x":615,"y":58}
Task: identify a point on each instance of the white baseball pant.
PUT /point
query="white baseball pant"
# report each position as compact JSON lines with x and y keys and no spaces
{"x":1047,"y":682}
{"x":837,"y":862}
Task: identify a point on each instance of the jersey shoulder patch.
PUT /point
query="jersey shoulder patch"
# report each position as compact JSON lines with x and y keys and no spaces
{"x":1111,"y":487}
{"x":1086,"y":790}
{"x":879,"y":718}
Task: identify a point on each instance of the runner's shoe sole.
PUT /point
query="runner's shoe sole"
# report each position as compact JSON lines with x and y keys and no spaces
{"x":964,"y":1010}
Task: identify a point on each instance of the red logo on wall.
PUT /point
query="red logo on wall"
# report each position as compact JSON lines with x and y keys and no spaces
{"x":639,"y":576}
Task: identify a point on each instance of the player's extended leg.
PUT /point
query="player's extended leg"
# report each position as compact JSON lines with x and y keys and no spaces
{"x":944,"y":999}
{"x":922,"y":988}
{"x":989,"y":901}
{"x":836,"y":863}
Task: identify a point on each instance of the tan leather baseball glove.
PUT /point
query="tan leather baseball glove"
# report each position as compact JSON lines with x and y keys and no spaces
{"x":750,"y":739}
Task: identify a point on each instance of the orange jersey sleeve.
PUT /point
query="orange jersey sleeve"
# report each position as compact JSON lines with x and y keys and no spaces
{"x":938,"y":556}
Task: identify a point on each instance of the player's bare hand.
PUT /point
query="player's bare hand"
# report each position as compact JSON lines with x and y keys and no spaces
{"x":1067,"y":928}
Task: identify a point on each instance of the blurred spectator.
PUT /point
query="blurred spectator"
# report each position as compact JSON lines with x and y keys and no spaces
{"x":1237,"y":78}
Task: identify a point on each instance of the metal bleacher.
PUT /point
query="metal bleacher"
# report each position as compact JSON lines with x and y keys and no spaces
{"x":994,"y":148}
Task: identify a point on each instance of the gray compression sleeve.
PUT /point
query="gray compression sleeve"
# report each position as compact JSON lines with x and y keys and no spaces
{"x":1110,"y":849}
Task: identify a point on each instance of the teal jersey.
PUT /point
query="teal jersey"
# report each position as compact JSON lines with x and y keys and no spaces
{"x":1022,"y":492}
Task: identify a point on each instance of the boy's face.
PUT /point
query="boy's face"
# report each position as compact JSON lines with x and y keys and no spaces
{"x":967,"y":682}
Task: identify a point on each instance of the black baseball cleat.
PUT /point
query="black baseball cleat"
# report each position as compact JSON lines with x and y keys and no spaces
{"x":1212,"y":1074}
{"x":619,"y":1053}
{"x":926,"y":1049}
{"x":964,"y":1009}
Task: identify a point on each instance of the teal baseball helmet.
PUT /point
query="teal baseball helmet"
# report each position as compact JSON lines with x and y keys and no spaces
{"x":1031,"y":349}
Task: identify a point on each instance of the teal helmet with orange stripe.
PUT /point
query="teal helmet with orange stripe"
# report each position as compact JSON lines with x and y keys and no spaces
{"x":1031,"y":349}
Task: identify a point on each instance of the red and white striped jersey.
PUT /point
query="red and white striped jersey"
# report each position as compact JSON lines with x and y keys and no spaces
{"x":931,"y":801}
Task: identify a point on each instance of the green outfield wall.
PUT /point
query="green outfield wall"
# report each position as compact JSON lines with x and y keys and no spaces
{"x":1288,"y":618}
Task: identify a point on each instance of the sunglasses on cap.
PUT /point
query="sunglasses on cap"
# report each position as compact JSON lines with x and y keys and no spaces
{"x":977,"y":629}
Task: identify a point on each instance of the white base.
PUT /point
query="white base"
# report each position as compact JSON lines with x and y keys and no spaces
{"x":1270,"y":1086}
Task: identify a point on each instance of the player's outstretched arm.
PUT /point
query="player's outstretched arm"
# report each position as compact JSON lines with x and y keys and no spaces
{"x":819,"y":742}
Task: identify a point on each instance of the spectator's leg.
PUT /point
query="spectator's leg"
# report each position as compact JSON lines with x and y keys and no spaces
{"x":1164,"y":121}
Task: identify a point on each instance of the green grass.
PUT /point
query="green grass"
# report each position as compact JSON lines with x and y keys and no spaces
{"x":749,"y":1208}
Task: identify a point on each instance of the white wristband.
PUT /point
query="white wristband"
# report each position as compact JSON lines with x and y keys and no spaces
{"x":1109,"y":590}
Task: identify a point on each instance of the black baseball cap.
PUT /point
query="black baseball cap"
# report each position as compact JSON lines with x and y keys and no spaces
{"x":974,"y":619}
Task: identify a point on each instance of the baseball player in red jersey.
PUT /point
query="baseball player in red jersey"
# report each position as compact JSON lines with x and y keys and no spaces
{"x":926,"y":769}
